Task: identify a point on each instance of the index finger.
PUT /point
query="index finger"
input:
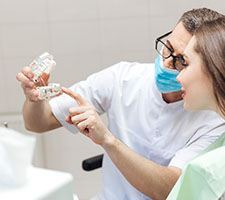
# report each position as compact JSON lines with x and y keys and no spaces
{"x":79,"y":99}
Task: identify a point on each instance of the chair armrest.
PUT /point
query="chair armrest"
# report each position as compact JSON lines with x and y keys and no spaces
{"x":92,"y":163}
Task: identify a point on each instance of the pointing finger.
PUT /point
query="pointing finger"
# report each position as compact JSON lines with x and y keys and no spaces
{"x":79,"y":99}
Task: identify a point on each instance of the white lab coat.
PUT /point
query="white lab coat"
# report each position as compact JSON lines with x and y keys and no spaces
{"x":138,"y":116}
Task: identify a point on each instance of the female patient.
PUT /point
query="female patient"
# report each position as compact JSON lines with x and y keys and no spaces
{"x":203,"y":82}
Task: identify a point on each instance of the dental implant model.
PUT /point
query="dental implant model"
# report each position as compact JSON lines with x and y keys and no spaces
{"x":42,"y":67}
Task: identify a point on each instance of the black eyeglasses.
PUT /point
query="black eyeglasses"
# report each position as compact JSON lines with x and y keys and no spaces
{"x":166,"y":51}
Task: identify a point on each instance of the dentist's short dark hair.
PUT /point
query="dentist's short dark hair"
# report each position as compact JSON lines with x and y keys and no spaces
{"x":194,"y":18}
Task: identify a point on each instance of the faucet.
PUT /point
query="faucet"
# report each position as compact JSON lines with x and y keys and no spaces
{"x":5,"y":124}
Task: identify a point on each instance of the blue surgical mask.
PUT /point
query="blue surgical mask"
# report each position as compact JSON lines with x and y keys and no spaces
{"x":166,"y":78}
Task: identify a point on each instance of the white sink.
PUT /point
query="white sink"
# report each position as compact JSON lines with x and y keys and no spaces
{"x":42,"y":184}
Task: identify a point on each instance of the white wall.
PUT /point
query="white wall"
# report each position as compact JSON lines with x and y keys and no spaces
{"x":84,"y":36}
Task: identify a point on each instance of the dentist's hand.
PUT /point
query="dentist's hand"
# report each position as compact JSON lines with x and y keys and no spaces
{"x":87,"y":120}
{"x":25,"y":77}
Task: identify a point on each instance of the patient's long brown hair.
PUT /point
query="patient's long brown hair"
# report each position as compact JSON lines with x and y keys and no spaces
{"x":210,"y":45}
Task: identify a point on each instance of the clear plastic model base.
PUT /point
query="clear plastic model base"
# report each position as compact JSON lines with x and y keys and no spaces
{"x":42,"y":66}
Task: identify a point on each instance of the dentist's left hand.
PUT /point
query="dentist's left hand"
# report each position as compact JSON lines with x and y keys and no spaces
{"x":87,"y":120}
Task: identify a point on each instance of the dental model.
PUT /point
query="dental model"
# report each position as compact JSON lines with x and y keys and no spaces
{"x":47,"y":92}
{"x":41,"y":67}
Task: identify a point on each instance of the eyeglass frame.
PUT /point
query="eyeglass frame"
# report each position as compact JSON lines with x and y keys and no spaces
{"x":178,"y":58}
